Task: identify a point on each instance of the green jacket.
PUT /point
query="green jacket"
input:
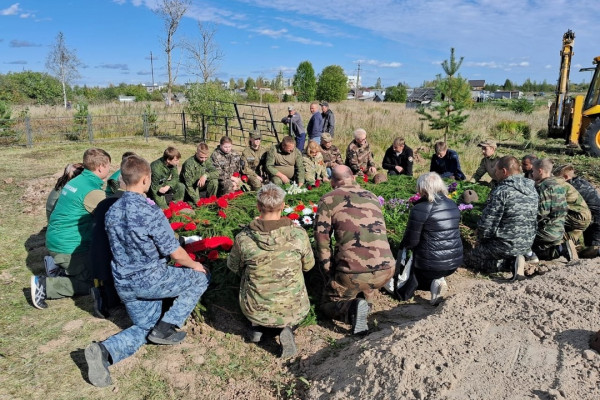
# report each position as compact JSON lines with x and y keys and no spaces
{"x":192,"y":170}
{"x":112,"y":184}
{"x":162,"y":175}
{"x":291,"y":165}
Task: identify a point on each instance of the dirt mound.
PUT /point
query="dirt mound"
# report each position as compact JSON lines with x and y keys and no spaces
{"x":529,"y":339}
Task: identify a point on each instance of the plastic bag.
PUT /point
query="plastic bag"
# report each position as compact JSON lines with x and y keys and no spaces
{"x":399,"y":279}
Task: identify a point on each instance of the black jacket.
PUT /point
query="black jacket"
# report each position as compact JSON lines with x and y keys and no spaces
{"x":404,"y":160}
{"x":433,"y":235}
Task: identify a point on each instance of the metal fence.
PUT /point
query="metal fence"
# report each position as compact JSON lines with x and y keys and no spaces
{"x":228,"y":119}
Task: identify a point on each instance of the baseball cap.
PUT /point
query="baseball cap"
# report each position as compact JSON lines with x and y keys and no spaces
{"x":326,"y":137}
{"x":290,"y":108}
{"x":324,"y":103}
{"x":488,"y":143}
{"x":255,"y":135}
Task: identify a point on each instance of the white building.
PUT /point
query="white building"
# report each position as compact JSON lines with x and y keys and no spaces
{"x":352,"y":81}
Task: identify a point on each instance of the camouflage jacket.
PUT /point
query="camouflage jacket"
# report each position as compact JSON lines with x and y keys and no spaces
{"x":487,"y":165}
{"x":254,"y":161}
{"x":270,"y":256}
{"x":192,"y":170}
{"x":576,"y":205}
{"x":589,"y":194}
{"x":552,"y":208}
{"x":353,"y":215}
{"x":226,"y":165}
{"x":332,"y":156}
{"x":162,"y":175}
{"x":359,"y":158}
{"x":291,"y":165}
{"x":314,"y":168}
{"x":509,"y":219}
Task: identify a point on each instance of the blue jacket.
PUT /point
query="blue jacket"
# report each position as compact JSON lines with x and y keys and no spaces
{"x":447,"y":166}
{"x":315,"y":126}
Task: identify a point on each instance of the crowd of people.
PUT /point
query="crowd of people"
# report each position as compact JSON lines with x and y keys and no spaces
{"x":535,"y":211}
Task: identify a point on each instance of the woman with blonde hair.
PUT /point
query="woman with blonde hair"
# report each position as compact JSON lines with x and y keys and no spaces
{"x":433,"y":235}
{"x":314,"y":164}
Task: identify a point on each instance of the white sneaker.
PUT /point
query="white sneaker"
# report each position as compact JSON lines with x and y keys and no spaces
{"x":438,"y":289}
{"x":389,"y":286}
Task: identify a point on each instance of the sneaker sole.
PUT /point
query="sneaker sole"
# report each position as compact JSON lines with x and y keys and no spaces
{"x":175,"y":338}
{"x":361,"y":323}
{"x":436,"y":298}
{"x":288,"y":345}
{"x":572,"y":251}
{"x":97,"y":372}
{"x":33,"y":288}
{"x":519,"y":269}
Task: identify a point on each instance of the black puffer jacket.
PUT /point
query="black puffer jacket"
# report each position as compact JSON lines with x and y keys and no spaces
{"x":433,"y":235}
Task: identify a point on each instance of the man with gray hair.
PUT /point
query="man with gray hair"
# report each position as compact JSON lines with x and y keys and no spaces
{"x":271,"y":254}
{"x":296,"y":126}
{"x":362,"y":261}
{"x":359,"y":157}
{"x":507,"y":225}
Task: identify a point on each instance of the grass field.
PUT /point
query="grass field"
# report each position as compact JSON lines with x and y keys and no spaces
{"x":41,"y":352}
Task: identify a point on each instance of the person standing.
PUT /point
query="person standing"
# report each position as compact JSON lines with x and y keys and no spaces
{"x":398,"y":158}
{"x":361,"y":261}
{"x":315,"y":124}
{"x":328,"y":118}
{"x":294,"y":122}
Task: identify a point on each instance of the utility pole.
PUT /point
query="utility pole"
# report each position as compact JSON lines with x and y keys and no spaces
{"x":357,"y":81}
{"x":152,"y":67}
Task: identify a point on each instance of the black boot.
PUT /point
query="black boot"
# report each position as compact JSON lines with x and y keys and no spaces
{"x":165,"y":333}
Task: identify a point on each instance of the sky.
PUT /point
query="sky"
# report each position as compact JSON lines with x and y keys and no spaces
{"x":394,"y":40}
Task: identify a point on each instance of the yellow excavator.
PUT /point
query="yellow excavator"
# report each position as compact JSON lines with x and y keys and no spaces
{"x":576,"y":119}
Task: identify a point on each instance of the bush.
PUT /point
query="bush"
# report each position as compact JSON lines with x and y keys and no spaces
{"x":508,"y":129}
{"x":521,"y":106}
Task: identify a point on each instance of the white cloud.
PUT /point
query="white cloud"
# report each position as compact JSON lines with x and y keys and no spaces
{"x":270,"y":32}
{"x":548,"y":66}
{"x":303,"y":40}
{"x":12,"y":10}
{"x":377,"y":63}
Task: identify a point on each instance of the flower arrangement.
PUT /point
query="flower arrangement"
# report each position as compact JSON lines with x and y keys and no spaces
{"x":301,"y":215}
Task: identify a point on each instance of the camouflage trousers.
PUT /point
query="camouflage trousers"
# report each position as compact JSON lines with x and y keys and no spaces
{"x":176,"y":193}
{"x":143,"y":295}
{"x":591,"y":235}
{"x":546,"y":240}
{"x":343,"y":288}
{"x":254,"y":182}
{"x":575,"y":224}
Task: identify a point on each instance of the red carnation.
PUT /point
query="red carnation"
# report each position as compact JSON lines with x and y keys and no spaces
{"x":168,"y":213}
{"x":245,"y":178}
{"x":176,"y":225}
{"x":365,"y":178}
{"x":190,"y":226}
{"x":315,"y":209}
{"x":222,"y":202}
{"x":299,"y":207}
{"x":293,"y":216}
{"x":236,"y":174}
{"x":227,"y":246}
{"x":222,"y":214}
{"x":213,"y":255}
{"x":309,"y":187}
{"x":192,"y":256}
{"x":317,"y":183}
{"x":195,"y":247}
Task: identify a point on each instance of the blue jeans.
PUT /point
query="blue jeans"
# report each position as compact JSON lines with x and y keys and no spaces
{"x":300,"y":142}
{"x":329,"y":171}
{"x":142,"y":295}
{"x":316,"y":139}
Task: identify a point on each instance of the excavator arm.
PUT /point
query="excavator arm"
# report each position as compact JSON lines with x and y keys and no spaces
{"x":560,"y":112}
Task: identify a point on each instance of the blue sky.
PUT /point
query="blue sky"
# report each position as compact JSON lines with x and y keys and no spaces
{"x":395,"y":40}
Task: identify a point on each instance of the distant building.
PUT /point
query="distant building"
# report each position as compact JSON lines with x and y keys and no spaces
{"x":126,"y":99}
{"x":507,"y":94}
{"x":477,"y":84}
{"x":421,"y":97}
{"x":151,"y":88}
{"x":352,"y":81}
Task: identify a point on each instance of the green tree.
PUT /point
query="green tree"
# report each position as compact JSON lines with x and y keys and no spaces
{"x":332,"y":85}
{"x":508,"y":85}
{"x":396,"y":94}
{"x":305,"y":83}
{"x":251,"y":91}
{"x":240,"y":83}
{"x":378,"y":84}
{"x":63,"y":62}
{"x":205,"y":99}
{"x":455,"y":96}
{"x":231,"y":83}
{"x":29,"y":87}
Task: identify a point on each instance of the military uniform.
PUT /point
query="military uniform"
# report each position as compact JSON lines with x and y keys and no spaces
{"x":487,"y":165}
{"x":112,"y":184}
{"x":391,"y":160}
{"x":254,"y":165}
{"x":362,"y":260}
{"x":191,"y":171}
{"x":165,"y":175}
{"x":507,"y":225}
{"x":359,"y":158}
{"x":578,"y":216}
{"x":291,"y":165}
{"x":271,"y":256}
{"x":226,"y":165}
{"x":140,"y":238}
{"x":315,"y":168}
{"x":552,"y":211}
{"x":332,"y":156}
{"x":592,"y":198}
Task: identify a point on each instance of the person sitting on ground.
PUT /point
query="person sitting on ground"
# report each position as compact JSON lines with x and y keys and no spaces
{"x":488,"y":163}
{"x":433,"y":235}
{"x":578,"y":216}
{"x":362,"y":261}
{"x":527,"y":165}
{"x":359,"y":157}
{"x":199,"y":175}
{"x":140,"y":239}
{"x":227,"y":162}
{"x":166,"y":186}
{"x":284,"y":163}
{"x":253,"y":160}
{"x":112,"y":184}
{"x":445,"y":162}
{"x":507,"y":226}
{"x":331,"y":154}
{"x":69,"y":233}
{"x":313,"y":164}
{"x":398,"y":158}
{"x":70,"y":172}
{"x":552,"y":211}
{"x":271,"y":254}
{"x":591,"y":235}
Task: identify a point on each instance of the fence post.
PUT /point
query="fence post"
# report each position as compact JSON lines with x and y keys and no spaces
{"x":90,"y":129}
{"x":203,"y":128}
{"x":28,"y":131}
{"x":183,"y":126}
{"x":145,"y":119}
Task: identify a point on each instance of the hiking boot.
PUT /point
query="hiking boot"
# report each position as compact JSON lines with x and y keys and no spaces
{"x":52,"y":270}
{"x":438,"y":289}
{"x":359,"y":311}
{"x":518,"y":267}
{"x":165,"y":333}
{"x":532,"y":259}
{"x":96,"y":357}
{"x":38,"y":291}
{"x":590,"y":252}
{"x":254,"y":334}
{"x":99,"y":310}
{"x":288,"y":345}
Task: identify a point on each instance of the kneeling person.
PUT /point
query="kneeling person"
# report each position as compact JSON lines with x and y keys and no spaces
{"x":141,"y":238}
{"x":270,"y":254}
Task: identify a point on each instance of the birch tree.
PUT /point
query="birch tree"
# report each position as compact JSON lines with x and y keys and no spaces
{"x":63,"y":63}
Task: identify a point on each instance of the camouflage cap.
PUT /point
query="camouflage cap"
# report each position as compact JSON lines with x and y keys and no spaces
{"x":290,"y":108}
{"x":488,"y":143}
{"x":469,"y":196}
{"x":326,"y":137}
{"x":380,"y":177}
{"x":255,"y":135}
{"x":557,"y":170}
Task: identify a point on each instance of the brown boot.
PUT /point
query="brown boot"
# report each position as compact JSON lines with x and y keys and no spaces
{"x":590,"y":252}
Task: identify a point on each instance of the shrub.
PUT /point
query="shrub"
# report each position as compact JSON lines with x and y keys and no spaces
{"x":509,"y":129}
{"x":521,"y":106}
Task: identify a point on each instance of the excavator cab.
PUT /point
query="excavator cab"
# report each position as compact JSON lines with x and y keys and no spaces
{"x":589,"y":131}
